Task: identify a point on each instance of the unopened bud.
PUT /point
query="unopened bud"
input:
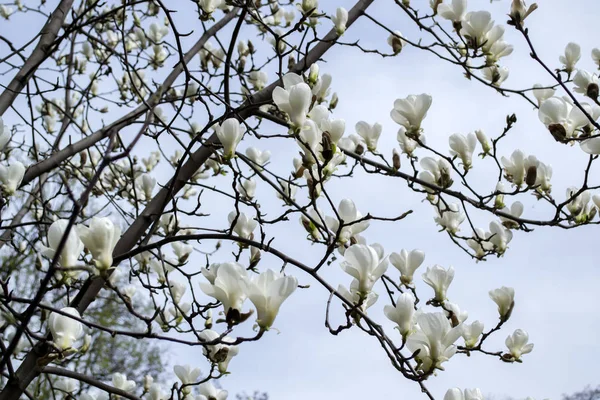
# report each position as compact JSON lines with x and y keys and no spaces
{"x":395,"y":159}
{"x":208,"y":323}
{"x":313,"y":76}
{"x":334,"y":101}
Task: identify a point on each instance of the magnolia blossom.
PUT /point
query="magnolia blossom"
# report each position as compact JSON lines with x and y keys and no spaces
{"x":578,"y":204}
{"x":495,"y":75}
{"x":100,"y":239}
{"x":475,"y":27}
{"x":411,"y":111}
{"x":450,"y":218}
{"x":348,"y":214}
{"x":402,"y":314}
{"x":65,"y":330}
{"x":561,"y":118}
{"x":370,"y":133}
{"x":396,"y":42}
{"x":435,"y":339}
{"x":187,"y":375}
{"x":518,"y":345}
{"x":72,"y":248}
{"x":454,"y":12}
{"x":516,"y":210}
{"x":596,"y":56}
{"x":437,"y":172}
{"x":354,"y":296}
{"x":228,"y":286}
{"x":407,"y":263}
{"x":244,"y":226}
{"x":67,"y":385}
{"x":471,"y":333}
{"x":504,"y":297}
{"x":408,"y":145}
{"x":439,"y":279}
{"x":267,"y":292}
{"x":230,"y":132}
{"x":11,"y":177}
{"x":499,"y":236}
{"x":294,"y":98}
{"x":182,"y":251}
{"x":586,"y":83}
{"x":258,"y":79}
{"x":4,"y":135}
{"x":542,"y":94}
{"x":515,"y":167}
{"x":257,"y":156}
{"x":220,"y":353}
{"x":519,"y":10}
{"x":340,"y":19}
{"x":364,"y":264}
{"x":120,"y":381}
{"x":209,"y":392}
{"x":571,"y":56}
{"x":247,"y":188}
{"x":463,"y":147}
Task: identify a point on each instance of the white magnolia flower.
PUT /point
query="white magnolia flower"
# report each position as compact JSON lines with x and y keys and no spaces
{"x":450,"y":218}
{"x":145,"y":185}
{"x":463,"y":147}
{"x":100,"y":239}
{"x":454,"y":394}
{"x":484,"y":141}
{"x":187,"y":375}
{"x":354,"y":296}
{"x":499,"y":236}
{"x":267,"y":292}
{"x":260,"y":158}
{"x":571,"y":56}
{"x":11,"y":176}
{"x":519,"y":10}
{"x":542,"y":94}
{"x":247,"y":188}
{"x":5,"y":12}
{"x":436,"y":172}
{"x":407,"y":263}
{"x":516,"y":210}
{"x":177,"y":290}
{"x":67,"y":385}
{"x":408,"y":145}
{"x":258,"y":79}
{"x":228,"y":286}
{"x":496,"y":51}
{"x":65,"y":331}
{"x":579,"y":205}
{"x":294,"y":98}
{"x":4,"y":135}
{"x":220,"y":353}
{"x":396,"y":42}
{"x":596,"y":56}
{"x":209,"y":6}
{"x":518,"y":166}
{"x":72,"y":248}
{"x":411,"y":111}
{"x":230,"y":132}
{"x":157,"y":33}
{"x":586,"y":83}
{"x":348,"y":213}
{"x":454,"y":313}
{"x":439,"y":279}
{"x":471,"y":333}
{"x":454,"y":12}
{"x":182,"y":251}
{"x":504,"y":297}
{"x":518,"y":345}
{"x":340,"y":19}
{"x":369,"y":133}
{"x":495,"y":75}
{"x":155,"y":392}
{"x":435,"y":339}
{"x":561,"y":118}
{"x":244,"y":226}
{"x":209,"y":392}
{"x":475,"y":27}
{"x":402,"y":314}
{"x":364,"y":264}
{"x":120,"y":381}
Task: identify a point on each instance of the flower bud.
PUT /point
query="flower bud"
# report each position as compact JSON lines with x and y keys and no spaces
{"x":395,"y":159}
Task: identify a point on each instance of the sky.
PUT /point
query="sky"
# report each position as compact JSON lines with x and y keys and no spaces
{"x":554,"y":272}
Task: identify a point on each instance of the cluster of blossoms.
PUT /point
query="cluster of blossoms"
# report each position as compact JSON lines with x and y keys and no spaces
{"x":431,"y":336}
